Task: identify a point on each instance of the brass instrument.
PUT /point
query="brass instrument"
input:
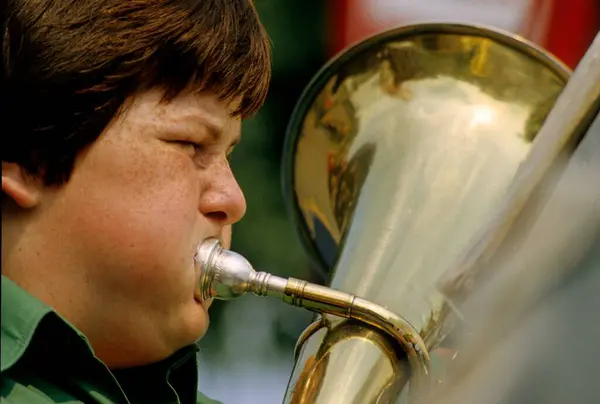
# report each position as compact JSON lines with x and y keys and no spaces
{"x":408,"y":160}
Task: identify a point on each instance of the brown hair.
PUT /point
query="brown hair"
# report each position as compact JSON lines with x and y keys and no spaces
{"x":68,"y":66}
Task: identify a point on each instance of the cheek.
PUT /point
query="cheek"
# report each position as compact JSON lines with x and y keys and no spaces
{"x":136,"y":211}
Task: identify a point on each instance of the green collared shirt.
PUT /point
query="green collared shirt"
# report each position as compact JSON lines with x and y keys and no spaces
{"x":46,"y":360}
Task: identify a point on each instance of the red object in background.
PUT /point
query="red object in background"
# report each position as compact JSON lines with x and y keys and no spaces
{"x":573,"y":26}
{"x":566,"y":28}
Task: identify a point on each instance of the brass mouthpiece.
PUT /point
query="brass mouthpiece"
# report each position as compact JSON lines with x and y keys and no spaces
{"x":226,"y":275}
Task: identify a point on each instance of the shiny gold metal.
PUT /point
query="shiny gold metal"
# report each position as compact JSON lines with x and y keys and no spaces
{"x":225,"y":274}
{"x":565,"y":126}
{"x":398,"y":154}
{"x":385,"y":378}
{"x":540,"y":238}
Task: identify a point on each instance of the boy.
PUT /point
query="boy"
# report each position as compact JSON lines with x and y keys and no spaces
{"x":117,"y":120}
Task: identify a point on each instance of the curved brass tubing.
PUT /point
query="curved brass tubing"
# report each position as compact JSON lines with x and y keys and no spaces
{"x":384,"y":381}
{"x":306,"y":334}
{"x":226,"y":275}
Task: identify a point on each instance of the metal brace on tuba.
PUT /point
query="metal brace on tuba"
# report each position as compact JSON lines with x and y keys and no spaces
{"x":408,"y":161}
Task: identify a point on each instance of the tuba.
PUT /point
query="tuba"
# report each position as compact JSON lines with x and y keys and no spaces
{"x":412,"y":160}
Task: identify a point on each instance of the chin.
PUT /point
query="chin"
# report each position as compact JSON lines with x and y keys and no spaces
{"x":156,"y":340}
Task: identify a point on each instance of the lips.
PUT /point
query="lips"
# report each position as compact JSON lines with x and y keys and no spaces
{"x":200,"y":301}
{"x":197,"y":273}
{"x":197,"y":269}
{"x":197,"y":290}
{"x":205,"y":304}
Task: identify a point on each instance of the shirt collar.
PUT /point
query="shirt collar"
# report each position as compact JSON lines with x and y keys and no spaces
{"x":21,"y":315}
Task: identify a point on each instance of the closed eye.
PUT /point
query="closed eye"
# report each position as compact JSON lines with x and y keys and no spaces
{"x":191,"y":147}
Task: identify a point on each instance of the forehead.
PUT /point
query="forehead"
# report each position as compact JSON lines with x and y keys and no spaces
{"x":188,"y":109}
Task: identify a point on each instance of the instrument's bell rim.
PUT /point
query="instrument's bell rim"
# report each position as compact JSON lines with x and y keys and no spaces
{"x":323,"y":75}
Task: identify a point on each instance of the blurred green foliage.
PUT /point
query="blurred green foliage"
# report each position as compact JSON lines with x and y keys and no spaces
{"x":266,"y":236}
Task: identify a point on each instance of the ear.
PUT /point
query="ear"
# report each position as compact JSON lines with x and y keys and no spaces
{"x":23,"y":189}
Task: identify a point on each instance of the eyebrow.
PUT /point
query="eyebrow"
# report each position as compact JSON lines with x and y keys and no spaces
{"x":215,"y":131}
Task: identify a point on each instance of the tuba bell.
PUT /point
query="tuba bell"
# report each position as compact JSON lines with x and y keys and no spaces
{"x":409,"y":160}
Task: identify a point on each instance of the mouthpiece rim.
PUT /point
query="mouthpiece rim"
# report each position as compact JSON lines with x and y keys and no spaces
{"x":204,"y":257}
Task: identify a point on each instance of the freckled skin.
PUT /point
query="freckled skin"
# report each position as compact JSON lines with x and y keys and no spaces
{"x":118,"y":239}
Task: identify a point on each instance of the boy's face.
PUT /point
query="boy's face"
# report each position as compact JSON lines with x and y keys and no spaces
{"x":139,"y":202}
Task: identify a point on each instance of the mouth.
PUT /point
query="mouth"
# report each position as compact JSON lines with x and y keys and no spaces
{"x":198,"y":296}
{"x":197,"y":293}
{"x":197,"y":265}
{"x":200,"y":302}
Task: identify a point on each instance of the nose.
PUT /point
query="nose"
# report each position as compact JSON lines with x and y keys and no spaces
{"x":223,"y":200}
